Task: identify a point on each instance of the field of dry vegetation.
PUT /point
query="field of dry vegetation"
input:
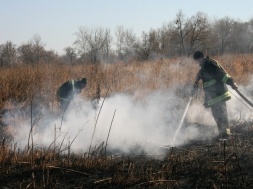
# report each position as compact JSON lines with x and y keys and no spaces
{"x":198,"y":164}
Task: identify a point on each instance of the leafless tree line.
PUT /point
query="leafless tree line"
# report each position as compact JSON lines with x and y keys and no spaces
{"x":179,"y":37}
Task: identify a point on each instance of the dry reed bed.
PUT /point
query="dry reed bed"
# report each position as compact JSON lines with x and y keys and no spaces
{"x":199,"y":165}
{"x":21,"y":84}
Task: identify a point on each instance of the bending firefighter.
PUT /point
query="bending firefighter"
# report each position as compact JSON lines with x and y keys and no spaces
{"x":68,"y":91}
{"x":214,"y":79}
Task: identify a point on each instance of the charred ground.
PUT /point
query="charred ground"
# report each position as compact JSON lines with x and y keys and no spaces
{"x":203,"y":163}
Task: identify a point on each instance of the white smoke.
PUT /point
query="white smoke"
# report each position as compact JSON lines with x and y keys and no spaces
{"x":139,"y":125}
{"x":145,"y":124}
{"x":238,"y":109}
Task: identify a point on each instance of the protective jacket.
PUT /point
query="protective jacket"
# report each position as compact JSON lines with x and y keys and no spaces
{"x":68,"y":90}
{"x":214,"y":79}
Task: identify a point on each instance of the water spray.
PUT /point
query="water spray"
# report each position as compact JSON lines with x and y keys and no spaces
{"x":182,"y":120}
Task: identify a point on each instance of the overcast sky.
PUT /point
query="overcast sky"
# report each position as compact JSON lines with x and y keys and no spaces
{"x":56,"y":21}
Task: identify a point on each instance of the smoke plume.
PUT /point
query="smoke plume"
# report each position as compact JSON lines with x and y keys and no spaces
{"x":144,"y":125}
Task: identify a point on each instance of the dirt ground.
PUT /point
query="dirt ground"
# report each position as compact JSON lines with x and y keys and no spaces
{"x":198,"y":164}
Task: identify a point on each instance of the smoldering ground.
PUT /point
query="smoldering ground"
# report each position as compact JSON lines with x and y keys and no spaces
{"x":125,"y":123}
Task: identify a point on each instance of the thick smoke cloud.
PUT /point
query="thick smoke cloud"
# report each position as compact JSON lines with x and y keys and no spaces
{"x":139,"y":125}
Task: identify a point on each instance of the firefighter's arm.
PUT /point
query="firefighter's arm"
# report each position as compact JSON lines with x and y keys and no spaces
{"x":232,"y":84}
{"x":196,"y":83}
{"x":226,"y":78}
{"x":229,"y":81}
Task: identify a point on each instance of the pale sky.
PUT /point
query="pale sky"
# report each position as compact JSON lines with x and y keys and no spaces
{"x":56,"y":21}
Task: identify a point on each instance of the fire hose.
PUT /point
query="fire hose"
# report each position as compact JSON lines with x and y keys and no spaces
{"x":188,"y":104}
{"x":243,"y":97}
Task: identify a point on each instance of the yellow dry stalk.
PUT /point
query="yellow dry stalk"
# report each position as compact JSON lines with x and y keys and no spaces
{"x":40,"y":82}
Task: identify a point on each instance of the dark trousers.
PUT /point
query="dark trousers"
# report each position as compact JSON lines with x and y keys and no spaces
{"x":220,"y":115}
{"x":63,"y":105}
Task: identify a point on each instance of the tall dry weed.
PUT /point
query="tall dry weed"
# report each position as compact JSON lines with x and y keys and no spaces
{"x":22,"y":84}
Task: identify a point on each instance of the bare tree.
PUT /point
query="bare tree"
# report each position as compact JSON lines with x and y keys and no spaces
{"x":50,"y":57}
{"x":92,"y":42}
{"x":33,"y":51}
{"x":8,"y":54}
{"x":221,"y":31}
{"x":125,"y":43}
{"x":249,"y":36}
{"x":26,"y":53}
{"x":144,"y":48}
{"x":107,"y":45}
{"x":149,"y":47}
{"x":164,"y":37}
{"x":190,"y":34}
{"x":153,"y":40}
{"x":180,"y":33}
{"x":198,"y":30}
{"x":71,"y":54}
{"x":171,"y":44}
{"x":237,"y":37}
{"x":38,"y":48}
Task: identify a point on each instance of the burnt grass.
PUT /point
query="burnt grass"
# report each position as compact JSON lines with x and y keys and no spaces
{"x":205,"y":163}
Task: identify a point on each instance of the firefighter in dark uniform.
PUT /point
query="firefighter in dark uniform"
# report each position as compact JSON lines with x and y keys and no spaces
{"x":215,"y":80}
{"x":68,"y":90}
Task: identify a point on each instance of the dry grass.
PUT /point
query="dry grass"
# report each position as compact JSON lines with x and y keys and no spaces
{"x":19,"y":85}
{"x":200,"y":164}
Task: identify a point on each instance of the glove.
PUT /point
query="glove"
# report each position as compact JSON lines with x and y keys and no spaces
{"x":195,"y":88}
{"x":196,"y":85}
{"x":234,"y":86}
